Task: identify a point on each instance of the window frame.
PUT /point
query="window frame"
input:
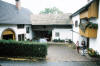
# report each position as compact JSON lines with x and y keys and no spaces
{"x":57,"y":34}
{"x":20,"y":26}
{"x":76,"y":23}
{"x":27,"y":29}
{"x":21,"y":37}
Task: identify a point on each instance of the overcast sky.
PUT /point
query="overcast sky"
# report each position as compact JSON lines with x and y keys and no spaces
{"x":67,"y":6}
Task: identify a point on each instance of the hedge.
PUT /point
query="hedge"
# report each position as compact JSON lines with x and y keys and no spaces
{"x":10,"y":48}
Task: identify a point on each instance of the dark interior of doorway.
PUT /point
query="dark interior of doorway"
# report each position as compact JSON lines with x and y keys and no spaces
{"x":43,"y":34}
{"x":8,"y":37}
{"x":87,"y":42}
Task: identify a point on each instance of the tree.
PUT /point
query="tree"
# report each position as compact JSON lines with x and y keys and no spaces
{"x":53,"y":10}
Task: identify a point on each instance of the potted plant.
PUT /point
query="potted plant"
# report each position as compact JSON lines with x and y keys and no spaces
{"x":93,"y":53}
{"x":84,"y":26}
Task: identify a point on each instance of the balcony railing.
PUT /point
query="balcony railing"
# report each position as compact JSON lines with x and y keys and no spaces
{"x":88,"y":29}
{"x":89,"y":33}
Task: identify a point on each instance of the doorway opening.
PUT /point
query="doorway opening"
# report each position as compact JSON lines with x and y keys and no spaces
{"x":43,"y":34}
{"x":8,"y":34}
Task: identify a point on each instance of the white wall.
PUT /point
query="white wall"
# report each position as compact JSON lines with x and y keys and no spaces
{"x":30,"y":34}
{"x":76,"y":35}
{"x":76,"y":18}
{"x":64,"y":34}
{"x":17,"y":31}
{"x":95,"y":42}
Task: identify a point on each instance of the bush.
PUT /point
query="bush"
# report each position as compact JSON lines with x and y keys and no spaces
{"x":10,"y":48}
{"x":70,"y":41}
{"x":58,"y":40}
{"x":92,"y":53}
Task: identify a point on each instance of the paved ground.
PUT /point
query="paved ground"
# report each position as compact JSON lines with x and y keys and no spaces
{"x":63,"y":53}
{"x":24,"y":63}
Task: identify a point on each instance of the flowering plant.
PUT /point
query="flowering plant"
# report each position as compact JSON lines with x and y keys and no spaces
{"x":93,"y":53}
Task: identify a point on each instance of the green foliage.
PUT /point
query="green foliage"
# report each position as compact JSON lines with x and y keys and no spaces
{"x":86,"y":25}
{"x":70,"y":41}
{"x":92,"y":25}
{"x":53,"y":10}
{"x":58,"y":40}
{"x":93,"y":53}
{"x":49,"y":32}
{"x":10,"y":48}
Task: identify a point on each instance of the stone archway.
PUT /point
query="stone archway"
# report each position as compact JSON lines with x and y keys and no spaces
{"x":8,"y":34}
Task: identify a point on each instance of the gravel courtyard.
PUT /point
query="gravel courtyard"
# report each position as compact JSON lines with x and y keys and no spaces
{"x":58,"y":52}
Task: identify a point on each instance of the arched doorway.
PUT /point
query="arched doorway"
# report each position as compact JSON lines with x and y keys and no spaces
{"x":8,"y":34}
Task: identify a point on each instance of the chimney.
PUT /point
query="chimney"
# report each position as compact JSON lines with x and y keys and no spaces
{"x":18,"y":4}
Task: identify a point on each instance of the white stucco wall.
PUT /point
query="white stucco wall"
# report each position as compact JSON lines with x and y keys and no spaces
{"x":76,"y":35}
{"x":95,"y":42}
{"x":29,"y":35}
{"x":17,"y":31}
{"x":63,"y":34}
{"x":76,"y":18}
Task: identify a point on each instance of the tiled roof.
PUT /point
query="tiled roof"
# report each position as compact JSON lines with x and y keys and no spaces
{"x":51,"y":19}
{"x":9,"y":14}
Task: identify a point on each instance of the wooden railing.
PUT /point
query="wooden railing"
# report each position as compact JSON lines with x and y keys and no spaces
{"x":89,"y":32}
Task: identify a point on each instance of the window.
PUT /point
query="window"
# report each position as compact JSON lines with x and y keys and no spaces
{"x":20,"y":26}
{"x":76,"y":23}
{"x":57,"y":34}
{"x":21,"y":37}
{"x":27,"y":29}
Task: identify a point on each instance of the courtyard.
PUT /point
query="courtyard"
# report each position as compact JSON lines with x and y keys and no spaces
{"x":60,"y":52}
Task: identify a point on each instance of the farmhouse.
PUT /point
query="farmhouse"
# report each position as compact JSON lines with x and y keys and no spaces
{"x":86,"y":25}
{"x":15,"y":23}
{"x":52,"y":26}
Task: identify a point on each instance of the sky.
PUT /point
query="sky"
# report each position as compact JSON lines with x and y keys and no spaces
{"x":66,"y":6}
